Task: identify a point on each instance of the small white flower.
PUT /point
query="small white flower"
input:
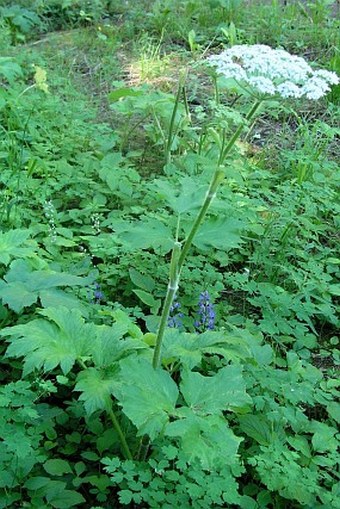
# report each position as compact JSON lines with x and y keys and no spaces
{"x":331,"y":77}
{"x":262,"y":85}
{"x":289,"y":89}
{"x":315,"y":88}
{"x":273,"y":71}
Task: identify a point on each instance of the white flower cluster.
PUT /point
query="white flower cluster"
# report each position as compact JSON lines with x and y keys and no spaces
{"x":273,"y":71}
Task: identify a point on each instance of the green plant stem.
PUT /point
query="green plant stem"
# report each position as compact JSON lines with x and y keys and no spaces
{"x":170,"y":294}
{"x":172,"y":122}
{"x":175,"y":269}
{"x":237,"y":133}
{"x":120,"y":433}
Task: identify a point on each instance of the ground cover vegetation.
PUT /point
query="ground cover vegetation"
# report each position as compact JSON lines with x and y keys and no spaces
{"x":168,"y":255}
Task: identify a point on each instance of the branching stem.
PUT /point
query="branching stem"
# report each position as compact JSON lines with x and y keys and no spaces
{"x":178,"y":257}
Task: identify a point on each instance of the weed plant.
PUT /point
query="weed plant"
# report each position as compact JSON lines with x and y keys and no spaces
{"x":102,"y":181}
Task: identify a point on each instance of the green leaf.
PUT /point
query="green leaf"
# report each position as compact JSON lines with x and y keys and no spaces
{"x":9,"y":69}
{"x":110,"y":344}
{"x":212,"y":395}
{"x":96,"y":388}
{"x":324,"y":437}
{"x":149,"y":300}
{"x":142,"y":281}
{"x":66,"y":499}
{"x":57,"y":467}
{"x":11,"y":245}
{"x":147,"y":396}
{"x":120,"y":93}
{"x":189,"y":198}
{"x":334,"y":289}
{"x":220,"y":233}
{"x":208,"y":439}
{"x":23,"y":284}
{"x":256,"y":427}
{"x":190,"y":348}
{"x":145,"y":234}
{"x":333,"y":409}
{"x":62,"y":339}
{"x":35,"y":483}
{"x":55,"y":297}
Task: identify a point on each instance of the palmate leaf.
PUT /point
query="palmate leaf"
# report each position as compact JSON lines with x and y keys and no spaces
{"x":145,"y":234}
{"x":60,"y":340}
{"x":212,"y":395}
{"x":23,"y":285}
{"x":207,"y":439}
{"x":190,"y":348}
{"x":109,"y":344}
{"x":9,"y":68}
{"x":189,"y":198}
{"x":96,"y":387}
{"x":12,"y":245}
{"x":147,"y":396}
{"x":220,"y":233}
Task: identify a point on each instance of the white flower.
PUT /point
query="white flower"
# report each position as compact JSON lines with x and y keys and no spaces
{"x":315,"y":88}
{"x":262,"y":84}
{"x":331,"y":77}
{"x":273,"y":71}
{"x":289,"y":89}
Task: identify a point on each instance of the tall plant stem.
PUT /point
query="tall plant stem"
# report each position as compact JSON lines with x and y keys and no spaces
{"x":171,"y":132}
{"x":116,"y":425}
{"x":178,"y":257}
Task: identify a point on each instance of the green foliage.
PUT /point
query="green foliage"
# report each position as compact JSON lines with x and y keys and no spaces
{"x":92,"y":197}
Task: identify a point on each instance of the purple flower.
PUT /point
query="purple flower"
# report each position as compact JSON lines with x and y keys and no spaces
{"x":97,"y":294}
{"x":175,"y":316}
{"x":205,"y":314}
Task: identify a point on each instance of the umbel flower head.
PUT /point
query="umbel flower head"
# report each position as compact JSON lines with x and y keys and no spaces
{"x":273,"y":72}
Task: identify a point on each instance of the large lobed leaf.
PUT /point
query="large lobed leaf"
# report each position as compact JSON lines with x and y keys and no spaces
{"x":60,"y":340}
{"x":148,"y":396}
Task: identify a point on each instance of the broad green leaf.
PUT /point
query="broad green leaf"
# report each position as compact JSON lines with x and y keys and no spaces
{"x":120,"y":93}
{"x":256,"y":427}
{"x":110,"y":344}
{"x":147,"y":396}
{"x":9,"y":69}
{"x":208,"y":439}
{"x":57,"y":467}
{"x":188,"y":198}
{"x":220,"y":233}
{"x":11,"y":245}
{"x":324,"y":437}
{"x":96,"y":387}
{"x":149,"y":300}
{"x":334,"y":289}
{"x":333,"y":410}
{"x":54,"y":297}
{"x":22,"y":284}
{"x":212,"y":395}
{"x":35,"y":483}
{"x":60,"y":340}
{"x":66,"y":499}
{"x":145,"y":234}
{"x":190,"y":348}
{"x":143,"y":281}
